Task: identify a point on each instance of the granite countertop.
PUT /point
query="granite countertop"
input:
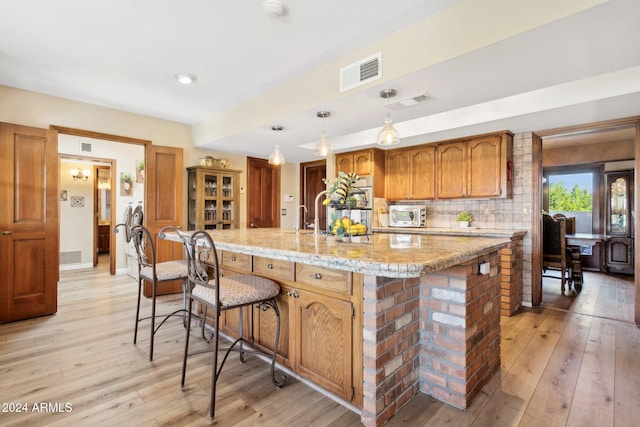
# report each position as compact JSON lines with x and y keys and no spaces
{"x":453,"y":231}
{"x":380,"y":254}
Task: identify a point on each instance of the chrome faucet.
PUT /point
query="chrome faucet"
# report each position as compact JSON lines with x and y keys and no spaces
{"x":304,"y":221}
{"x":316,"y":221}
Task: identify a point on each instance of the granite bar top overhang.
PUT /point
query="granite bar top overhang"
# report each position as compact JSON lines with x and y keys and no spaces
{"x":454,"y":231}
{"x":380,"y":254}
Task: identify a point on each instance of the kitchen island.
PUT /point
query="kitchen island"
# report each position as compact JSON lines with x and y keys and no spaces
{"x":407,"y":313}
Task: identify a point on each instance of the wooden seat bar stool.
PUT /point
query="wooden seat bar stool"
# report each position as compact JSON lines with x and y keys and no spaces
{"x":155,"y":273}
{"x":217,"y":293}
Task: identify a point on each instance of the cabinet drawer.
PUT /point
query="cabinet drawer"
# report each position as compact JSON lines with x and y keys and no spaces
{"x":273,"y":268}
{"x":236,"y":260}
{"x":324,"y":278}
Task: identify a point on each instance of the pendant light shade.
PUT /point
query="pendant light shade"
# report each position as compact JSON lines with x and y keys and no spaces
{"x":276,"y":157}
{"x":388,"y":135}
{"x":323,"y":148}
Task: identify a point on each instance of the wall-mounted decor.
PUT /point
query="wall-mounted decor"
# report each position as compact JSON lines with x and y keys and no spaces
{"x":126,"y":184}
{"x":77,"y":201}
{"x":140,"y":171}
{"x":63,"y":195}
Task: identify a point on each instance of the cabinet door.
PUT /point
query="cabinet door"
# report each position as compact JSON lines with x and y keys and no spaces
{"x":452,"y":171}
{"x":483,"y":167}
{"x":620,"y":255}
{"x":396,"y":176}
{"x":344,"y":162}
{"x":422,"y":169}
{"x":323,"y":335}
{"x":363,"y":163}
{"x":265,"y":326}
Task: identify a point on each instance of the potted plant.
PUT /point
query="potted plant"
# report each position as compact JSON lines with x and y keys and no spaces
{"x":464,"y":218}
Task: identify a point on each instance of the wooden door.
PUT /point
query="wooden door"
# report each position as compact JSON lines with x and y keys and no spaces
{"x":322,"y":328}
{"x":452,"y":171}
{"x":29,"y":241}
{"x":484,"y":171}
{"x":396,"y":175}
{"x":422,"y":170}
{"x":263,"y":194}
{"x":344,"y":163}
{"x":311,"y":177}
{"x":164,"y":196}
{"x":363,"y":162}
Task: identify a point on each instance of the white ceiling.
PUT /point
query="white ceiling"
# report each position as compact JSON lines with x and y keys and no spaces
{"x":579,"y":68}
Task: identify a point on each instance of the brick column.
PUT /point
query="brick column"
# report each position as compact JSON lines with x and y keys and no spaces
{"x":511,"y":260}
{"x":460,"y":324}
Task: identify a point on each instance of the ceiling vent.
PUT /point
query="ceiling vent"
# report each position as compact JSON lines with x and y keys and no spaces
{"x":85,"y":147}
{"x":361,"y":72}
{"x":401,"y":104}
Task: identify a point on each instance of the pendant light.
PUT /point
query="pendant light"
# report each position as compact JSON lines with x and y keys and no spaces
{"x":323,"y":148}
{"x":388,"y":135}
{"x":276,"y":158}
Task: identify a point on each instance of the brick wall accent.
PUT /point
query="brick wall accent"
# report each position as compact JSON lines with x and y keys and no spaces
{"x":511,"y":260}
{"x":460,"y":323}
{"x":439,"y":334}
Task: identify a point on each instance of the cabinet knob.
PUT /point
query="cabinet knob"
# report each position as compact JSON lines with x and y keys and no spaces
{"x":295,"y":295}
{"x":6,"y":233}
{"x":288,"y":293}
{"x":233,"y":258}
{"x":318,"y":276}
{"x":253,"y":225}
{"x":270,"y":266}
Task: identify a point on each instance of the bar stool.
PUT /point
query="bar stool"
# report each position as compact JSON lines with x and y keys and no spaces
{"x":155,"y":273}
{"x":225,"y":293}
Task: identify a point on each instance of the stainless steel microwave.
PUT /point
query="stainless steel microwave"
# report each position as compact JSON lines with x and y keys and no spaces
{"x":407,"y":215}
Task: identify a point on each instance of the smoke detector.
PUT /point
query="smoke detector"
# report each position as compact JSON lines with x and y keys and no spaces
{"x":274,"y":8}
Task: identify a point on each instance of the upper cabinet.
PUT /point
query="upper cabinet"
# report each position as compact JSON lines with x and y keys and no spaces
{"x":410,"y":174}
{"x":213,"y":198}
{"x":365,"y":163}
{"x":475,"y":167}
{"x":479,"y":167}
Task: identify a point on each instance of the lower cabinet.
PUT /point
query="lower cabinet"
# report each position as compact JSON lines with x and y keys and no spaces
{"x":318,"y":327}
{"x":620,"y":255}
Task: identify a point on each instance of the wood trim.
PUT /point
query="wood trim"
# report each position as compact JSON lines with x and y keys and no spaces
{"x":636,"y":232}
{"x":99,"y":135}
{"x":536,"y":220}
{"x":607,"y":124}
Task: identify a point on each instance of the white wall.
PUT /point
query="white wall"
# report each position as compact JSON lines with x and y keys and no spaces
{"x":76,"y":224}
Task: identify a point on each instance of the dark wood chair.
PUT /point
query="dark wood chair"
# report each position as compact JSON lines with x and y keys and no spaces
{"x":574,"y":258}
{"x":554,"y":249}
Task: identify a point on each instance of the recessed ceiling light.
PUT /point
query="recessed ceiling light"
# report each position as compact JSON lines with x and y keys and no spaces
{"x":274,"y":8}
{"x":186,"y":78}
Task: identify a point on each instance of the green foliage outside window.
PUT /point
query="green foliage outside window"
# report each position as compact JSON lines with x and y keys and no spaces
{"x":561,"y":200}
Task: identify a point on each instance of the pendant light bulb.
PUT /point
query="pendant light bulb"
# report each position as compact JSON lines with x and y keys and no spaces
{"x":388,"y":135}
{"x":323,"y":148}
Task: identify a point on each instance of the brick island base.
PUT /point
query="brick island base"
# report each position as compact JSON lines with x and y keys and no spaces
{"x":438,"y":334}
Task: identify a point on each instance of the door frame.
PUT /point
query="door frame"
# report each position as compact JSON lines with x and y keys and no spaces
{"x":536,"y":227}
{"x":106,"y":137}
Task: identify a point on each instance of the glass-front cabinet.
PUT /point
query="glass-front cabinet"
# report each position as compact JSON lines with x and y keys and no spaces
{"x":619,"y":224}
{"x":213,"y":198}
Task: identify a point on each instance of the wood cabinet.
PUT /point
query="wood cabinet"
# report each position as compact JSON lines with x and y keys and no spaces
{"x":104,"y":234}
{"x":320,"y":335}
{"x":410,"y":174}
{"x":479,"y":167}
{"x":619,"y":222}
{"x":369,"y":162}
{"x":213,"y":198}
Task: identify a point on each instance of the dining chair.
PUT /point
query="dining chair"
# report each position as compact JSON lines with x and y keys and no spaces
{"x":554,"y":249}
{"x":155,"y":273}
{"x":574,"y":257}
{"x":210,"y":288}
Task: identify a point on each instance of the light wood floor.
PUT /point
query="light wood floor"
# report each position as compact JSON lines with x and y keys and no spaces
{"x":558,"y":368}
